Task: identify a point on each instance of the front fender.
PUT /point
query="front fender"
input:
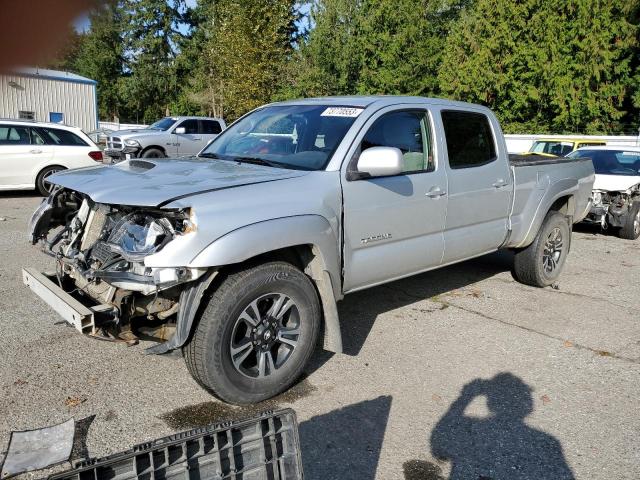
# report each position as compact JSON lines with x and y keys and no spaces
{"x":266,"y":236}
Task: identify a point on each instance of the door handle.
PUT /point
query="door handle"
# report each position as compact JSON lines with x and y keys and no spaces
{"x":36,"y":150}
{"x":500,"y":183}
{"x":435,"y":192}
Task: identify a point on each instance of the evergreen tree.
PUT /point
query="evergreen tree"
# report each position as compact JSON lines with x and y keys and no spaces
{"x":152,"y":41}
{"x":100,"y":56}
{"x":543,"y":66}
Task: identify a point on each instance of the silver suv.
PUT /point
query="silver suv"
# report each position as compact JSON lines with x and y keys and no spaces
{"x":168,"y":137}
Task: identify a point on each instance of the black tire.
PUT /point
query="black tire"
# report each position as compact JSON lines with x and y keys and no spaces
{"x":631,"y":228}
{"x":43,"y":187}
{"x":153,"y":153}
{"x":541,"y":263}
{"x":222,"y":325}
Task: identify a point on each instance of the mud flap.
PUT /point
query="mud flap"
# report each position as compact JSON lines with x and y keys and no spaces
{"x":189,"y":304}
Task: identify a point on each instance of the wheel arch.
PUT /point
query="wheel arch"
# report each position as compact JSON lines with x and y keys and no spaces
{"x":157,"y":147}
{"x":306,"y":241}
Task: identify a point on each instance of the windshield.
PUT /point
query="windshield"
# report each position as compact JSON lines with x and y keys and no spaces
{"x":611,"y":162}
{"x":163,"y":124}
{"x":558,"y":148}
{"x":295,"y":136}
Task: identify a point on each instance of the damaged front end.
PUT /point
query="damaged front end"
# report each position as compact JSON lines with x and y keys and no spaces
{"x":99,"y":253}
{"x":611,"y":209}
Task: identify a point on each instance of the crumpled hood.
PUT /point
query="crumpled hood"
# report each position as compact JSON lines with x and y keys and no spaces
{"x":615,"y":183}
{"x":146,"y":182}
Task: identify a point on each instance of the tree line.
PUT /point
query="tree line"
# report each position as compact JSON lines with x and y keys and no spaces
{"x":543,"y":66}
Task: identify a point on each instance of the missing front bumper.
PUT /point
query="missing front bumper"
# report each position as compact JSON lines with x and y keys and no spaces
{"x":85,"y":318}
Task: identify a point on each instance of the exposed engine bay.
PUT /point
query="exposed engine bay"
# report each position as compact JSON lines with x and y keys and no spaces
{"x":100,"y":252}
{"x":611,"y":209}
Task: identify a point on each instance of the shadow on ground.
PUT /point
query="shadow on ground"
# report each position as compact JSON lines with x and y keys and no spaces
{"x":358,"y":311}
{"x":498,"y":446}
{"x":345,"y":443}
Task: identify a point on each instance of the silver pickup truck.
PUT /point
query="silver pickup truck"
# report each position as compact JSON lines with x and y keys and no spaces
{"x":238,"y":256}
{"x":168,"y":137}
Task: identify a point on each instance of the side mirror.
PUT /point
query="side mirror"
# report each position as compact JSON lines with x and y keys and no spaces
{"x":380,"y":161}
{"x":179,"y":131}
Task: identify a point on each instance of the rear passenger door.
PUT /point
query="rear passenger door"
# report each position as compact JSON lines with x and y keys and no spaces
{"x":209,"y":129}
{"x":480,"y":185}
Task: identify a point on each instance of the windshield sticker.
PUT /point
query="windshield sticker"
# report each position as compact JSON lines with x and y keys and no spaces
{"x":342,"y":112}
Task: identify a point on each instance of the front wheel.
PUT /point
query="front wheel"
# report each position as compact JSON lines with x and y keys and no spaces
{"x":540,"y":264}
{"x":256,"y":334}
{"x":631,"y":229}
{"x":153,"y":153}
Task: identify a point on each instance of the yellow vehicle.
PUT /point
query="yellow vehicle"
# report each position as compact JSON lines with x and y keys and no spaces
{"x":559,"y":147}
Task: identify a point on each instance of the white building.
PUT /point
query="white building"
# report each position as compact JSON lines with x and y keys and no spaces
{"x":49,"y":96}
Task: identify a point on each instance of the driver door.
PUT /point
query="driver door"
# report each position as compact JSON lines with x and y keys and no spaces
{"x":190,"y":142}
{"x":393,"y":226}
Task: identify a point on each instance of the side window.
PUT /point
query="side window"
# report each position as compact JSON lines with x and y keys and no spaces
{"x":57,"y":136}
{"x":408,"y":131}
{"x":190,"y":126}
{"x":14,"y":135}
{"x":469,"y":139}
{"x":210,"y":127}
{"x":36,"y":138}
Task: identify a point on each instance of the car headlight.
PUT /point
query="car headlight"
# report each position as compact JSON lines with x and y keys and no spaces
{"x":131,"y":143}
{"x":597,"y":198}
{"x":137,"y":235}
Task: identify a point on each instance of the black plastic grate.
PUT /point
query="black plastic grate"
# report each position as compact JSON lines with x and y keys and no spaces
{"x":266,"y":447}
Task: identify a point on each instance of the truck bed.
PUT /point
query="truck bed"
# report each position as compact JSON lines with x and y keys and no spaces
{"x":520,"y":160}
{"x":538,"y":179}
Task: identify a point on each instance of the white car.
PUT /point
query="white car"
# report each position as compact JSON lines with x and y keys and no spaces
{"x":31,"y":151}
{"x":616,"y":191}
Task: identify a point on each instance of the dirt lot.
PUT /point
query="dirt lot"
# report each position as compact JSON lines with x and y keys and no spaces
{"x":406,"y":401}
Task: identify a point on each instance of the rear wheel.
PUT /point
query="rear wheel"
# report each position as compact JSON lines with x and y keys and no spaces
{"x":631,"y":228}
{"x":44,"y":187}
{"x":256,"y":334}
{"x":153,"y":153}
{"x":541,"y":263}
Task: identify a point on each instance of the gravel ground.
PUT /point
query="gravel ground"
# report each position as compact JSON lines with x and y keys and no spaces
{"x":458,"y":373}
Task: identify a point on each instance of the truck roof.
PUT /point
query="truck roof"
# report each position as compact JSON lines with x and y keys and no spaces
{"x":378,"y":100}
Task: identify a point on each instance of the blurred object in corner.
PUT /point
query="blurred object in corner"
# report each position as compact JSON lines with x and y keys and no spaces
{"x":36,"y":29}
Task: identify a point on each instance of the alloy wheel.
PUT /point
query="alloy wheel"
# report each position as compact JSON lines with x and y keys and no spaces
{"x":265,"y":335}
{"x":553,"y":247}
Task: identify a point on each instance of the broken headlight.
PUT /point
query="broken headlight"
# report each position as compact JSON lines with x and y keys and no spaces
{"x":137,"y":235}
{"x":597,"y":198}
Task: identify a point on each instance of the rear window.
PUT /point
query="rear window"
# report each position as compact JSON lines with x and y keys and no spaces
{"x":55,"y":136}
{"x":210,"y":127}
{"x":14,"y":135}
{"x":469,"y":139}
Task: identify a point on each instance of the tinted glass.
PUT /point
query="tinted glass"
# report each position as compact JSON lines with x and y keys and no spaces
{"x":611,"y":162}
{"x":56,"y":136}
{"x":558,"y":148}
{"x":14,"y":135}
{"x":36,"y":138}
{"x":190,"y":126}
{"x":163,"y":124}
{"x":469,"y":139}
{"x":407,"y":131}
{"x":292,"y":136}
{"x":210,"y":127}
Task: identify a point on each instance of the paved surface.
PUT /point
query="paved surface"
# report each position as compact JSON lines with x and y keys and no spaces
{"x":461,"y":369}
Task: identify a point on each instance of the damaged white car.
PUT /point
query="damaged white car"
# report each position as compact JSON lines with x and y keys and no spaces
{"x":616,"y":191}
